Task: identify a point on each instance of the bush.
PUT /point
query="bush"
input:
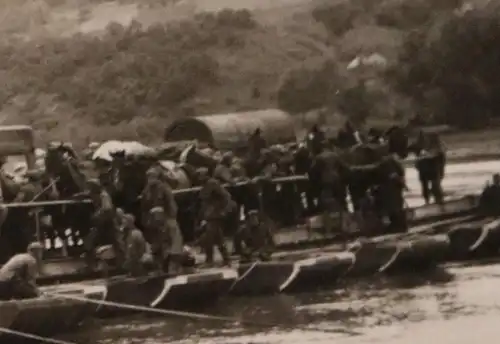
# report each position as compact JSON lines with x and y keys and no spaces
{"x":308,"y":87}
{"x":129,"y":71}
{"x":461,"y":64}
{"x":337,"y":18}
{"x":403,"y":15}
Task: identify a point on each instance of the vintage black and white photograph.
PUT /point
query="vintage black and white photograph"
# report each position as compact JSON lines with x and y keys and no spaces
{"x":249,"y":171}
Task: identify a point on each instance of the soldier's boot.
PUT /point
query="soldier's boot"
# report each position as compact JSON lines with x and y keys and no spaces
{"x":437,"y":191}
{"x":209,"y":252}
{"x":224,"y":253}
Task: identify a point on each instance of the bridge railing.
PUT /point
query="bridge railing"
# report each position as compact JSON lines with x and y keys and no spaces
{"x":284,"y":205}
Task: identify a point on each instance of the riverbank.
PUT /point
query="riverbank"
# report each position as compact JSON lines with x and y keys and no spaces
{"x":472,"y":145}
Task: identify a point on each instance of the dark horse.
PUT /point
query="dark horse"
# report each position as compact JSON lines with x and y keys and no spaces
{"x":127,"y":178}
{"x":363,"y":162}
{"x":351,"y":157}
{"x":63,"y":171}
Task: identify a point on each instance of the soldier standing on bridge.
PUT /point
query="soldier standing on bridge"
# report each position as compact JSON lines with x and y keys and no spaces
{"x":257,"y":237}
{"x":158,"y":193}
{"x":105,"y":229}
{"x":28,"y":218}
{"x":430,"y":164}
{"x":215,"y":205}
{"x":224,"y":174}
{"x":333,"y":197}
{"x":389,"y":195}
{"x":168,"y":244}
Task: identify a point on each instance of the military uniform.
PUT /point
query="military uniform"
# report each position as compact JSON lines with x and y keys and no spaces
{"x":257,"y":237}
{"x":168,"y":244}
{"x":18,"y":275}
{"x":224,"y":175}
{"x":216,"y":204}
{"x":105,"y":228}
{"x":157,"y":194}
{"x":389,"y":194}
{"x":27,"y":219}
{"x":333,"y":191}
{"x":136,"y":248}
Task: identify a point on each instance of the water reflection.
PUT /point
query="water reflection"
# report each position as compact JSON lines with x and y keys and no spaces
{"x":372,"y":310}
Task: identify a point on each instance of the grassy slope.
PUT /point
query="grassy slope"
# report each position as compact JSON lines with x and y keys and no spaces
{"x":287,"y":35}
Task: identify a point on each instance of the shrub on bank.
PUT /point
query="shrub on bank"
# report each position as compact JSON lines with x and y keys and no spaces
{"x":460,"y":64}
{"x":129,"y":71}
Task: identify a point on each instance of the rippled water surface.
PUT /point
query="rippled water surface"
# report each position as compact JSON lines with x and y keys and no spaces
{"x":453,"y":305}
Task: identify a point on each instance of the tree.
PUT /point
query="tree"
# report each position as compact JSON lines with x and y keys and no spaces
{"x":461,"y":63}
{"x":308,"y":87}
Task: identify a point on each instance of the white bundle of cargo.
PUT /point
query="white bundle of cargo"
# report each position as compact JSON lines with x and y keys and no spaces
{"x":130,"y":148}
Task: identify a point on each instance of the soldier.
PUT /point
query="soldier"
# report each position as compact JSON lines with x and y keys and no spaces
{"x":28,"y":219}
{"x":333,"y":194}
{"x":430,"y":164}
{"x":389,"y":194}
{"x":216,"y":204}
{"x":157,"y":194}
{"x":168,"y":244}
{"x":136,"y":248}
{"x":224,"y":174}
{"x":104,"y":223}
{"x":18,"y":275}
{"x":257,"y":237}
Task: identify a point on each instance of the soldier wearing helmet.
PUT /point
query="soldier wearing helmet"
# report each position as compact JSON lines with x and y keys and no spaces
{"x":18,"y":275}
{"x":168,"y":244}
{"x":136,"y":248}
{"x":216,"y":204}
{"x":256,"y":236}
{"x":103,"y":221}
{"x":158,"y":194}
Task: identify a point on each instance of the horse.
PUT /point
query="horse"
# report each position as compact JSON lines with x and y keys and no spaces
{"x":358,"y":162}
{"x":128,"y":180}
{"x":362,"y":162}
{"x":63,"y":172}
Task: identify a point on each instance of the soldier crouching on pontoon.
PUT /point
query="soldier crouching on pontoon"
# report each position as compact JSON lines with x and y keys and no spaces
{"x":18,"y":275}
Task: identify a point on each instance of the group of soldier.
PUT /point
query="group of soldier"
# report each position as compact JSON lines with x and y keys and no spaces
{"x":158,"y":243}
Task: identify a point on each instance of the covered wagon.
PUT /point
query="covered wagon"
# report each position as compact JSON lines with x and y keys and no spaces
{"x":231,"y":131}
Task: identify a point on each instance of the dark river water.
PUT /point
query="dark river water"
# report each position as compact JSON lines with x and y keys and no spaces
{"x":454,"y":305}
